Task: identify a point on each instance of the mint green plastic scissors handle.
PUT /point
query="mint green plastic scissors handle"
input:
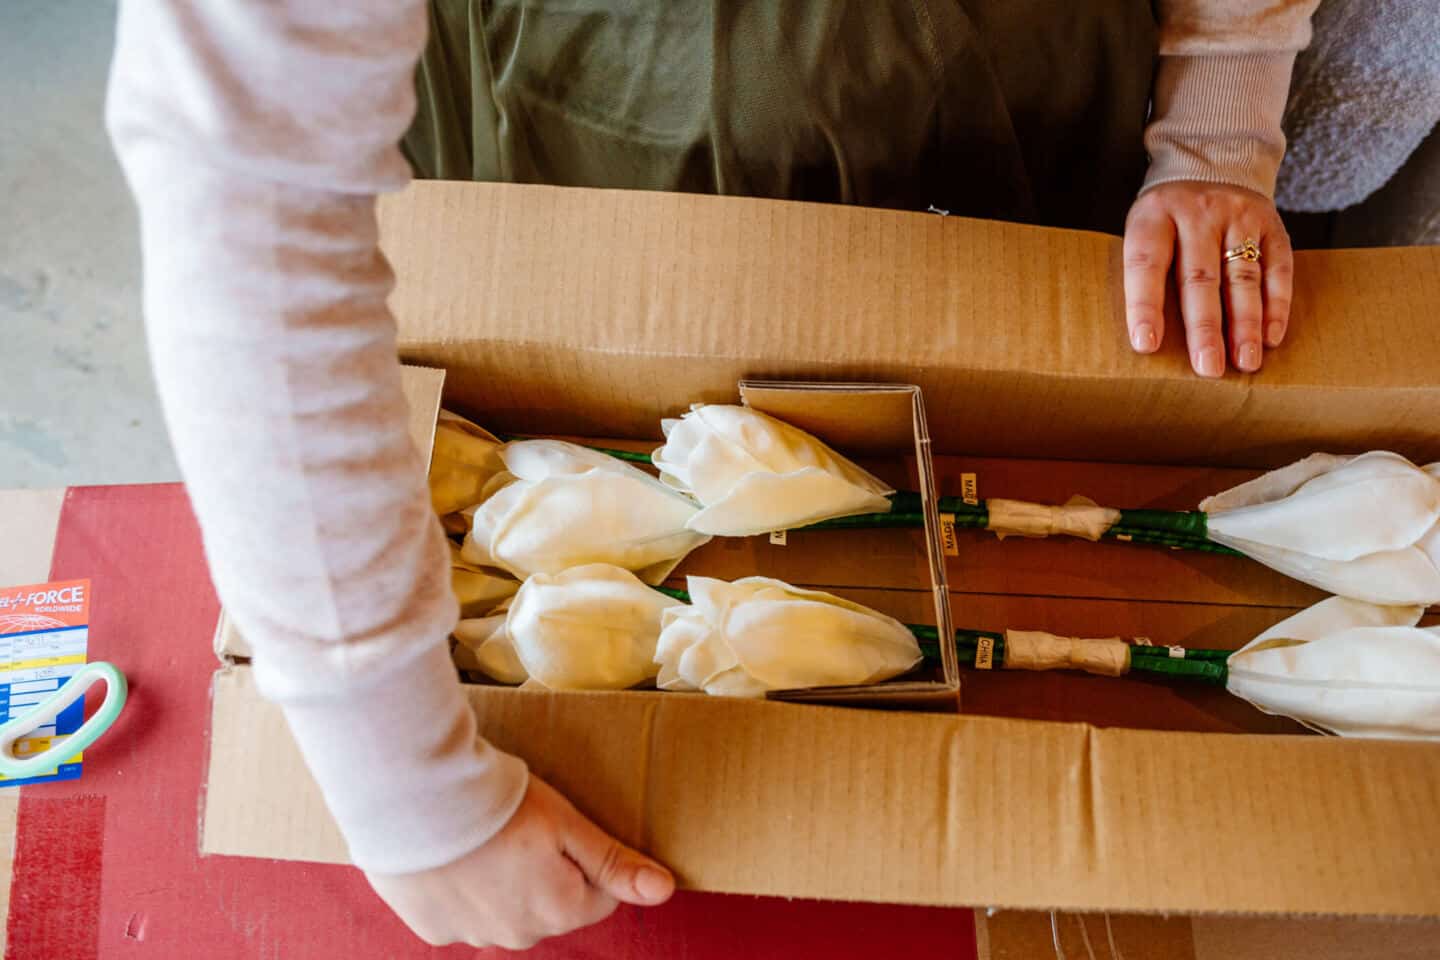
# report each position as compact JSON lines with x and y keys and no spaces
{"x":49,"y":708}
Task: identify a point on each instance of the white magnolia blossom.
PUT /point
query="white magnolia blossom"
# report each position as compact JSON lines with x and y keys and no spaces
{"x":465,"y":459}
{"x":1366,"y":527}
{"x":744,"y":638}
{"x":590,"y":628}
{"x":755,"y":474}
{"x":1347,"y":667}
{"x":563,"y":506}
{"x":477,"y":589}
{"x":484,"y":644}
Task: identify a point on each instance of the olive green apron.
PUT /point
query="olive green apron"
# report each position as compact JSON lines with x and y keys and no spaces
{"x":1027,"y":110}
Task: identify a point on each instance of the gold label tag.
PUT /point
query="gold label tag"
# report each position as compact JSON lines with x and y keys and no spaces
{"x":948,"y":539}
{"x":969,"y":489}
{"x":985,"y":653}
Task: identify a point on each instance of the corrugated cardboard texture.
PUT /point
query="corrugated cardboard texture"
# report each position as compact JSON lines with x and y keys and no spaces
{"x":260,"y":800}
{"x":597,"y":312}
{"x":771,"y":798}
{"x":886,"y":425}
{"x":422,"y":387}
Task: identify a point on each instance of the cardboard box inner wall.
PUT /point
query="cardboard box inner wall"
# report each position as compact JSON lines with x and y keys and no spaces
{"x":595,"y":313}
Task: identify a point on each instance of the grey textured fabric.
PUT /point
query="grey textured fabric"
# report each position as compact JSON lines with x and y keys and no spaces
{"x":1405,"y":212}
{"x":1362,"y":98}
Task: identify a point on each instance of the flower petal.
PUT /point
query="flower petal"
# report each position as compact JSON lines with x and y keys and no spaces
{"x":681,"y":627}
{"x":758,"y":634}
{"x":535,"y":460}
{"x":464,"y":458}
{"x":805,"y":643}
{"x":593,"y":517}
{"x":1398,"y":577}
{"x":763,"y":502}
{"x":484,"y":644}
{"x":590,"y":628}
{"x":1372,"y":503}
{"x":479,"y":545}
{"x":1274,"y":485}
{"x":782,"y":447}
{"x":717,"y":450}
{"x":716,"y":465}
{"x":1333,"y":615}
{"x":477,"y":589}
{"x":1360,"y":682}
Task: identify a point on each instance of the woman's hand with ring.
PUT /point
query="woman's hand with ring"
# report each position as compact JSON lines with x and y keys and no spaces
{"x":1186,"y":227}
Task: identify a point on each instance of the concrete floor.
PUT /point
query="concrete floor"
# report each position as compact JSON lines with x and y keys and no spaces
{"x":77,"y":404}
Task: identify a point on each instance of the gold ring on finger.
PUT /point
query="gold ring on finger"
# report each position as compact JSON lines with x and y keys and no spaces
{"x":1249,"y":251}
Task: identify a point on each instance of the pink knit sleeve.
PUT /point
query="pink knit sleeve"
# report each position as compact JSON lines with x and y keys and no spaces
{"x":255,"y":137}
{"x":1220,"y":90}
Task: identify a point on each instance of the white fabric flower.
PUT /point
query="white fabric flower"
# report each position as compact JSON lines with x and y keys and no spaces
{"x":477,"y":589}
{"x":484,"y":644}
{"x":756,"y":474}
{"x":1348,"y":667}
{"x":1366,"y":527}
{"x":741,"y":639}
{"x":466,"y":457}
{"x":567,"y":506}
{"x":589,"y":628}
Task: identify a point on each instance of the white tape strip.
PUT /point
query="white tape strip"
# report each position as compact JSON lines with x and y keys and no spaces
{"x":1077,"y":518}
{"x":1037,"y":650}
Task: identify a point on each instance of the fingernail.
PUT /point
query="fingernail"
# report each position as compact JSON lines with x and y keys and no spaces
{"x":1207,"y":362}
{"x":1250,"y":356}
{"x":1142,"y":338}
{"x":652,"y":884}
{"x":1274,"y":333}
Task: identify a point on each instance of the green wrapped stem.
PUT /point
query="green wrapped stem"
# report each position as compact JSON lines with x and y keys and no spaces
{"x":1196,"y":664}
{"x":908,"y":515}
{"x":630,"y":456}
{"x":1176,"y":529}
{"x":1163,"y":653}
{"x":1208,"y":670}
{"x":1206,"y":665}
{"x":967,"y":644}
{"x":1159,"y":538}
{"x":1188,"y":523}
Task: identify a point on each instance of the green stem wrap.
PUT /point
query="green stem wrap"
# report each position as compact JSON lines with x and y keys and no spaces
{"x":1198,"y":664}
{"x":1176,"y":529}
{"x":1185,"y":523}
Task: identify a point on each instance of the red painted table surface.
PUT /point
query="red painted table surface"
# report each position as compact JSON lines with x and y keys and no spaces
{"x":108,"y":866}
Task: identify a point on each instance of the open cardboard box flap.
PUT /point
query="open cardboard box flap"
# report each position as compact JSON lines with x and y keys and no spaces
{"x":604,"y":311}
{"x":597,"y":312}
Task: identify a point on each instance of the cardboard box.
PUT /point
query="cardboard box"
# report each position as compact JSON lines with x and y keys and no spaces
{"x":595,"y":313}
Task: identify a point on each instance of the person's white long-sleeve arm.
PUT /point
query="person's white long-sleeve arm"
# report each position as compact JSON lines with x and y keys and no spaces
{"x":255,"y":136}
